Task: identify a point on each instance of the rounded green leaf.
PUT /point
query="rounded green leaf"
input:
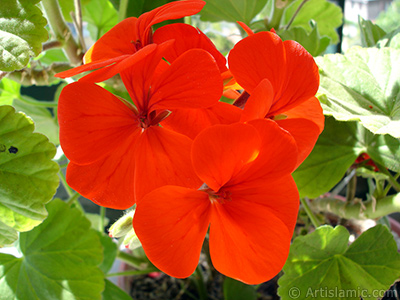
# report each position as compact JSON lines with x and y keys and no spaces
{"x":336,"y":150}
{"x":363,"y":85}
{"x":327,"y":15}
{"x":60,"y":259}
{"x":28,"y":176}
{"x":321,"y":265}
{"x":22,"y":33}
{"x":232,"y":10}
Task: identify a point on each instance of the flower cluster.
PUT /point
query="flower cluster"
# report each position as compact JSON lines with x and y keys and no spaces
{"x":194,"y":165}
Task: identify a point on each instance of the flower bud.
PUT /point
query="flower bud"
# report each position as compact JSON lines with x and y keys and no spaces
{"x":131,"y":240}
{"x":122,"y":226}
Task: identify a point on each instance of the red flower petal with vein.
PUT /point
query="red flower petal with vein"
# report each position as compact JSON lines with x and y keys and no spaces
{"x":187,"y":37}
{"x":251,"y":222}
{"x":191,"y":122}
{"x":163,"y":157}
{"x":118,"y":152}
{"x":290,"y":69}
{"x":127,"y":38}
{"x":171,"y":223}
{"x":281,"y":79}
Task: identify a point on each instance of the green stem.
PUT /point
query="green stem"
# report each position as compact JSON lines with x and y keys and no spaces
{"x":129,"y":259}
{"x":387,"y":189}
{"x":69,"y":191}
{"x":132,"y":272}
{"x":61,"y":31}
{"x":199,"y":281}
{"x":102,"y":218}
{"x":123,"y":6}
{"x":370,"y":209}
{"x":351,"y":188}
{"x":73,"y":198}
{"x":295,"y":14}
{"x":275,"y":17}
{"x":35,"y":102}
{"x":392,"y":180}
{"x":309,"y":212}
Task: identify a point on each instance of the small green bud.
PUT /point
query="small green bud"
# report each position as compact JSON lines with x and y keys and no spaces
{"x":131,"y":240}
{"x":122,"y":226}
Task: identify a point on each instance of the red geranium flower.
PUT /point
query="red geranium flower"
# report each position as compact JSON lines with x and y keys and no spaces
{"x":249,"y":200}
{"x":129,"y":41}
{"x":117,"y":150}
{"x":280,"y":81}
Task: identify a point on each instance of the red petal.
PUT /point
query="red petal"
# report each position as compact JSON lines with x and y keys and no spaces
{"x":187,"y":37}
{"x":119,"y":40}
{"x":90,"y":66}
{"x":248,"y":242}
{"x":311,"y":110}
{"x":301,"y":79}
{"x":171,"y":223}
{"x":192,"y":81}
{"x":246,"y":28}
{"x":109,"y":181}
{"x":288,"y":66}
{"x":129,"y":62}
{"x":259,"y":102}
{"x":163,"y":158}
{"x":169,"y":11}
{"x":221,"y":151}
{"x":191,"y":122}
{"x":138,"y":74}
{"x":256,"y":57}
{"x":305,"y":132}
{"x":277,"y":156}
{"x":93,"y":122}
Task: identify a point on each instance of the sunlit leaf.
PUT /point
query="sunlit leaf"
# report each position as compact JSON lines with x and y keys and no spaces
{"x":59,"y":260}
{"x":101,"y":17}
{"x":231,"y":10}
{"x":327,"y":15}
{"x":9,"y":90}
{"x":28,"y":176}
{"x":22,"y":33}
{"x":364,"y":85}
{"x":370,"y":33}
{"x":321,"y":265}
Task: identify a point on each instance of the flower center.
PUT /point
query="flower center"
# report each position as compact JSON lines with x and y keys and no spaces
{"x":222,"y":196}
{"x":153,"y":118}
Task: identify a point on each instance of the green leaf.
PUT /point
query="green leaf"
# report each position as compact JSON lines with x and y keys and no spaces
{"x":59,"y":261}
{"x":392,"y":40}
{"x":231,"y":10}
{"x":28,"y":175}
{"x":22,"y":33}
{"x":370,"y":33}
{"x":112,"y":292}
{"x":327,"y":15}
{"x":9,"y":90}
{"x":236,"y":290}
{"x":101,"y":17}
{"x":45,"y":122}
{"x":321,"y":265}
{"x":336,"y":150}
{"x":364,"y":85}
{"x":110,"y":252}
{"x":311,"y":41}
